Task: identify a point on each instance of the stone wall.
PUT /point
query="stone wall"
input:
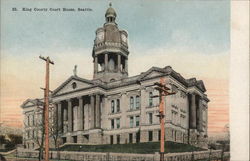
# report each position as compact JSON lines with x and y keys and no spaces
{"x":94,"y":156}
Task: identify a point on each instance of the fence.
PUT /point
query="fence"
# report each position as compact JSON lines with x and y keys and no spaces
{"x":94,"y":156}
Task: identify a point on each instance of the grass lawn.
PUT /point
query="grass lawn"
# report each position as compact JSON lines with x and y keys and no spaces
{"x":143,"y":148}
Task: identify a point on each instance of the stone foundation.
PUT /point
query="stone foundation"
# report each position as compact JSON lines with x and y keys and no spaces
{"x":90,"y":156}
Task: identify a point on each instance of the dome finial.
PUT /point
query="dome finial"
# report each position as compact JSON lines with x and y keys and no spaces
{"x":110,"y":4}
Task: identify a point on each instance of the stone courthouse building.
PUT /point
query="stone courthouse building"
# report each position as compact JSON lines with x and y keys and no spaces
{"x":114,"y":108}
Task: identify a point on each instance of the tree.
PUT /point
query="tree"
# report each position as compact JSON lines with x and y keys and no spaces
{"x":54,"y":128}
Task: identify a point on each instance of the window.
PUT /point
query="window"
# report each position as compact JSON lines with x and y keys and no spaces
{"x":131,"y":122}
{"x":137,"y":121}
{"x":64,"y":139}
{"x":137,"y":102}
{"x":33,"y":120}
{"x":172,"y":134}
{"x":112,"y":106}
{"x":159,"y":135}
{"x":28,"y":134}
{"x":112,"y":123}
{"x":175,"y":136}
{"x":74,"y":85}
{"x":130,"y":138}
{"x":111,"y":139}
{"x":150,"y":99}
{"x":150,"y":136}
{"x":131,"y":103}
{"x":118,"y":139}
{"x":138,"y":137}
{"x":117,"y":105}
{"x":74,"y":139}
{"x":117,"y":123}
{"x":150,"y":118}
{"x":28,"y":120}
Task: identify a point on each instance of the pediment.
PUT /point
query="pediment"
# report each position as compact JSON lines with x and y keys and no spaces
{"x":72,"y":84}
{"x":152,"y":74}
{"x":29,"y":103}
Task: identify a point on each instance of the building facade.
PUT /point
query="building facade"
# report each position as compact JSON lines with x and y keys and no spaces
{"x":113,"y":108}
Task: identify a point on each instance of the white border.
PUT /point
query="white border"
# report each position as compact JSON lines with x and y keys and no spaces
{"x":239,"y":80}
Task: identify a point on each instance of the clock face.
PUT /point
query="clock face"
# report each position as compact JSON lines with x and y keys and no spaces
{"x":124,"y":38}
{"x":100,"y":36}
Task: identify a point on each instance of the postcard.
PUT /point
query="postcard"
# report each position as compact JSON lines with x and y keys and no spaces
{"x":105,"y":80}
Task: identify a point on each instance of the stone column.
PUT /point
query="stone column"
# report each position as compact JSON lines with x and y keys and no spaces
{"x":200,"y":114}
{"x":119,"y":62}
{"x":193,"y":112}
{"x":59,"y":116}
{"x":96,"y":64}
{"x":106,"y":61}
{"x":126,"y":65}
{"x":98,"y":112}
{"x":70,"y":121}
{"x":80,"y":114}
{"x":92,"y":112}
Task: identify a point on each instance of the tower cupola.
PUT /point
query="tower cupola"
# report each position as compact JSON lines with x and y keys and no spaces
{"x":110,"y":51}
{"x":110,"y":14}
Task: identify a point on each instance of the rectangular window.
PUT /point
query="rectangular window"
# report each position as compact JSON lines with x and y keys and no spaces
{"x":130,"y":138}
{"x":150,"y":135}
{"x":28,"y":120}
{"x":112,"y":106}
{"x":131,"y":103}
{"x":112,"y":123}
{"x":137,"y":102}
{"x":150,"y":118}
{"x":33,"y":120}
{"x":131,"y":122}
{"x":117,"y":105}
{"x":117,"y":123}
{"x":118,"y":139}
{"x":138,"y":137}
{"x":111,"y":139}
{"x":137,"y":121}
{"x":150,"y":99}
{"x":159,"y":135}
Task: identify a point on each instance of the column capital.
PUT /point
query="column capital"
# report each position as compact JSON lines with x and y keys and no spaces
{"x":79,"y":97}
{"x":68,"y":100}
{"x":57,"y":103}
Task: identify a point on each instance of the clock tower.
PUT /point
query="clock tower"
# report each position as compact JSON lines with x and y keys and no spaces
{"x":110,"y":51}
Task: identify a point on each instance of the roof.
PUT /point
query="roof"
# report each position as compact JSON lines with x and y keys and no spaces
{"x":153,"y":72}
{"x":32,"y":102}
{"x":110,"y":11}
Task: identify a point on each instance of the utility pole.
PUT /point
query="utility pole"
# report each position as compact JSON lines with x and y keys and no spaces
{"x":46,"y":106}
{"x":163,"y":91}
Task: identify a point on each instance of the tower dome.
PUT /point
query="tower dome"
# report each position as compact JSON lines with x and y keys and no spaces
{"x":110,"y":14}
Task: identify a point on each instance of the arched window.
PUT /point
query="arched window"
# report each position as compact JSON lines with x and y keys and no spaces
{"x":74,"y":85}
{"x":137,"y":102}
{"x":112,"y":106}
{"x":150,"y":99}
{"x":131,"y":102}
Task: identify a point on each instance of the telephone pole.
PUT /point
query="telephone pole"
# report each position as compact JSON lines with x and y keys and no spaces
{"x":46,"y":106}
{"x":163,"y":91}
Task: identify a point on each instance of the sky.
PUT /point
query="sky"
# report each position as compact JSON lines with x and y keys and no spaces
{"x":191,"y":36}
